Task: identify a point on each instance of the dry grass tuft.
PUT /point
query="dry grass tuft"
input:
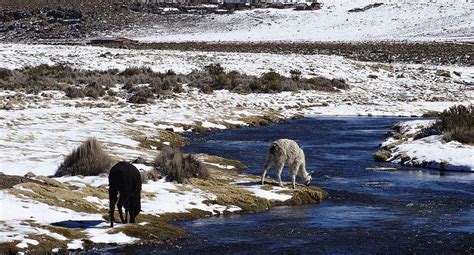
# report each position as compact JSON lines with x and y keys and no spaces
{"x":87,"y":160}
{"x":179,"y":167}
{"x":457,"y":124}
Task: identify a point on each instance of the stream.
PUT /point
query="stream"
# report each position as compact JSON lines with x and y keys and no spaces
{"x":404,"y":210}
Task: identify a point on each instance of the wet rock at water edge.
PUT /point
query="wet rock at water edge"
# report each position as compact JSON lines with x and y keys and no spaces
{"x":382,"y":156}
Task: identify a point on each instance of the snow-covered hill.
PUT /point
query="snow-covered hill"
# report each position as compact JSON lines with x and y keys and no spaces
{"x":420,"y":20}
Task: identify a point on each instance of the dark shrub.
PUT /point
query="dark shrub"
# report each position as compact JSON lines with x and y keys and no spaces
{"x":295,"y":74}
{"x":207,"y":89}
{"x":111,"y":93}
{"x":457,"y":123}
{"x":214,"y":69}
{"x":255,"y":85}
{"x":272,"y":82}
{"x":434,"y":129}
{"x":167,"y":84}
{"x":94,"y":90}
{"x":339,"y":83}
{"x":324,"y":84}
{"x":170,"y":73}
{"x":5,"y":73}
{"x":55,"y":71}
{"x":128,"y":86}
{"x":87,"y":159}
{"x":73,"y":92}
{"x":178,"y":167}
{"x":105,"y":80}
{"x":141,"y":96}
{"x":178,"y":88}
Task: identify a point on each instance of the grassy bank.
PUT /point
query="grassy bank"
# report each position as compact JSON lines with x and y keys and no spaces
{"x":232,"y":192}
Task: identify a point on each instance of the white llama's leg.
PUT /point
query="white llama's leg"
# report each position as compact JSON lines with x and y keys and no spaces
{"x":267,"y":166}
{"x":293,"y":171}
{"x":280,"y":166}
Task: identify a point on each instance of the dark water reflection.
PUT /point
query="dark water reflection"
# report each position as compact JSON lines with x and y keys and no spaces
{"x":404,"y":211}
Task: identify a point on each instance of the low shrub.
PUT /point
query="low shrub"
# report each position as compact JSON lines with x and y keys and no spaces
{"x":176,"y":166}
{"x":88,"y":159}
{"x":73,"y":92}
{"x":94,"y":90}
{"x":457,"y":123}
{"x":142,"y":96}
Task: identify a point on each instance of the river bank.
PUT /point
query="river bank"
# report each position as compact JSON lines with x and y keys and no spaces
{"x":70,"y":213}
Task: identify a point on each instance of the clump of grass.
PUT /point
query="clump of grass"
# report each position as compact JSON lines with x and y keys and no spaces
{"x":457,"y":123}
{"x":88,"y":159}
{"x":176,"y":166}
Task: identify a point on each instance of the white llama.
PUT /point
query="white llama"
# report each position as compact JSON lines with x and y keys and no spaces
{"x":287,"y":151}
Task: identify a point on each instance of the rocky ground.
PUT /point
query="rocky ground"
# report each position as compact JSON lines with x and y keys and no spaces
{"x":65,"y":23}
{"x":388,"y":52}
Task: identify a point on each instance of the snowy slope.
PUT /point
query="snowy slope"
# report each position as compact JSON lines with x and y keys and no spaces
{"x":420,"y":20}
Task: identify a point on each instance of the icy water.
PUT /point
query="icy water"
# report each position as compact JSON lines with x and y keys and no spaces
{"x":404,"y":211}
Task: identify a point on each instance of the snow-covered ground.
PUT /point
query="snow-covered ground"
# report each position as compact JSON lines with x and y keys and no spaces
{"x":431,"y":151}
{"x":414,"y":20}
{"x":37,"y":135}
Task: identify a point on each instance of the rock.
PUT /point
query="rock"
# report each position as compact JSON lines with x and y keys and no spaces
{"x":30,"y":175}
{"x":365,"y":8}
{"x":443,"y":73}
{"x":404,"y":158}
{"x":372,"y":76}
{"x":382,"y":156}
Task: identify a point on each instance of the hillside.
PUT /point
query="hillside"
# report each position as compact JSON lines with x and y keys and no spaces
{"x":396,"y":20}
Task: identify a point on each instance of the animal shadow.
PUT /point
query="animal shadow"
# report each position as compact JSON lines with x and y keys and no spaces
{"x":78,"y":223}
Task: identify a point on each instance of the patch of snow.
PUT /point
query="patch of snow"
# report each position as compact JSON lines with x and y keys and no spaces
{"x":431,"y":151}
{"x":181,"y":200}
{"x":100,"y":234}
{"x":268,"y":194}
{"x":273,"y":194}
{"x":75,"y":245}
{"x":25,"y":242}
{"x":229,"y":167}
